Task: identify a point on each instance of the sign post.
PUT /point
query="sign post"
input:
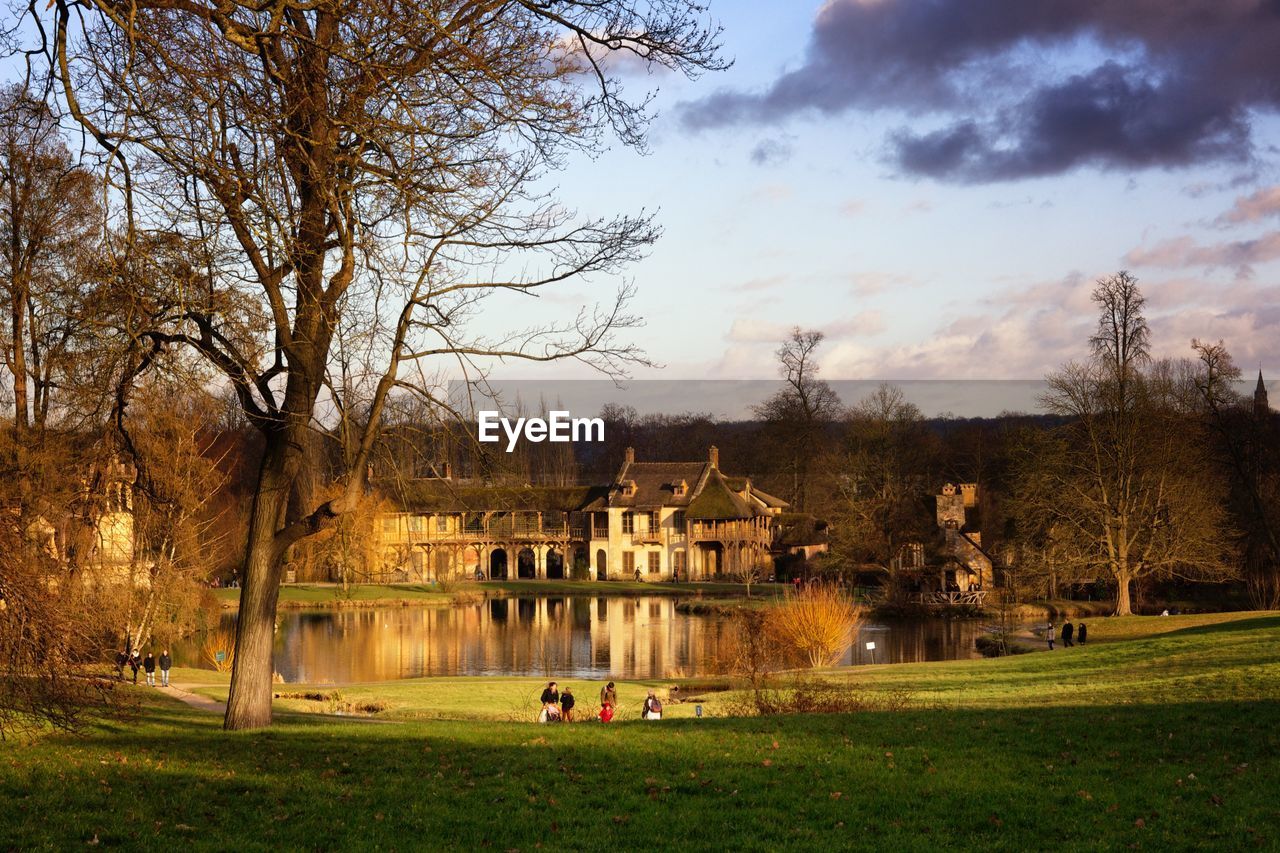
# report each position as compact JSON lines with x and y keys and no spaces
{"x":871,"y":647}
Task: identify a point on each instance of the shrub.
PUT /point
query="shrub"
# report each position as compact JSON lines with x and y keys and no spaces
{"x":53,"y":627}
{"x":816,"y":625}
{"x":817,"y":696}
{"x":219,"y":640}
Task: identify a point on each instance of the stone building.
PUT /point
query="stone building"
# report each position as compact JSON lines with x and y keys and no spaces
{"x":966,"y":565}
{"x":660,"y":520}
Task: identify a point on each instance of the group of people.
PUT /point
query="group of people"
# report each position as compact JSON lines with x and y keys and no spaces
{"x":148,"y":665}
{"x":1070,"y":634}
{"x":557,"y":705}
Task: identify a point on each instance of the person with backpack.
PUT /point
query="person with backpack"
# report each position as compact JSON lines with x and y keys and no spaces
{"x":149,"y":664}
{"x":1067,"y":631}
{"x":652,"y":709}
{"x":166,"y":663}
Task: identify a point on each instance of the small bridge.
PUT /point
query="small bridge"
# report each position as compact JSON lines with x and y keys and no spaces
{"x":954,"y":598}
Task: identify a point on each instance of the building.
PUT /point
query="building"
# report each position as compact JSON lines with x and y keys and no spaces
{"x":966,"y":564}
{"x":658,"y":520}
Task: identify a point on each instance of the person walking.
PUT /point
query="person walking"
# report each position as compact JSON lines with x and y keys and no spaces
{"x":149,"y":664}
{"x":166,"y":663}
{"x":135,"y":664}
{"x":122,"y":660}
{"x":566,"y":704}
{"x":1083,"y":633}
{"x":1067,"y":631}
{"x":1049,"y":636}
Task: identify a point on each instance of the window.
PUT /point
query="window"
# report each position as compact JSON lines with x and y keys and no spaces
{"x":442,"y":523}
{"x":677,"y":520}
{"x":389,"y":524}
{"x":653,"y":522}
{"x":628,"y":522}
{"x":628,"y":562}
{"x":655,"y":562}
{"x":416,"y":523}
{"x":677,"y":561}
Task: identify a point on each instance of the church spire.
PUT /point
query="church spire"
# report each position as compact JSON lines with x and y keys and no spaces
{"x":1260,"y":406}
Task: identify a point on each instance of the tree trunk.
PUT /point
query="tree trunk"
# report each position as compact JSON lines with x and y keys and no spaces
{"x":249,"y":702}
{"x":19,"y":356}
{"x":1123,"y":605}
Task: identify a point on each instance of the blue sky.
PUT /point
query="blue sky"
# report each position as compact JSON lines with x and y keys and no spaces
{"x":983,"y":271}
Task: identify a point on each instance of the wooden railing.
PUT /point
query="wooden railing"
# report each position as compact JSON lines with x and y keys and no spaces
{"x":730,"y":530}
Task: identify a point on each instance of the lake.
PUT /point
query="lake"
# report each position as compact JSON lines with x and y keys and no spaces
{"x":564,"y":637}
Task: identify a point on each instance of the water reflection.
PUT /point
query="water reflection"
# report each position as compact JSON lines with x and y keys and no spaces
{"x":573,"y":637}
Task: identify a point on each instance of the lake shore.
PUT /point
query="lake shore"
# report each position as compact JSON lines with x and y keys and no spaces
{"x":319,"y":596}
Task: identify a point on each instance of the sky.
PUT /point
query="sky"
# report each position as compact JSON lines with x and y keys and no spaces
{"x":937,"y":185}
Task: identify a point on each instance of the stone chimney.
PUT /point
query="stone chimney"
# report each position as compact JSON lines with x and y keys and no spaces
{"x":713,"y":456}
{"x":631,"y":455}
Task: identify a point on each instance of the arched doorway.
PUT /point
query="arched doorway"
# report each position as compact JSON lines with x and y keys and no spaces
{"x":526,"y":564}
{"x":602,"y":564}
{"x":555,"y":565}
{"x":498,"y":564}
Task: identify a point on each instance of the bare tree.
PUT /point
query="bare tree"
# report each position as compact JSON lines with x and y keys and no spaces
{"x":339,"y":160}
{"x":48,"y":216}
{"x":874,"y":486}
{"x":1124,"y":487}
{"x":798,"y":414}
{"x":1245,"y":445}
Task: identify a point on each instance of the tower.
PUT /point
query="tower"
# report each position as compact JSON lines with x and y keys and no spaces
{"x":1260,"y":406}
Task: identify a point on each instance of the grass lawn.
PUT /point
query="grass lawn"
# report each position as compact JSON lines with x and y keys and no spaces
{"x":1161,"y":734}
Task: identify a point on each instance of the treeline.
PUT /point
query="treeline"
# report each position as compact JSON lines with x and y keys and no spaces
{"x":1138,"y":471}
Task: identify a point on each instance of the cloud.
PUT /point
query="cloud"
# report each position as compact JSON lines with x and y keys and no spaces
{"x":1262,"y":204}
{"x":771,"y":152}
{"x":1016,"y":89}
{"x":1185,"y":252}
{"x":1022,"y":331}
{"x":872,"y":283}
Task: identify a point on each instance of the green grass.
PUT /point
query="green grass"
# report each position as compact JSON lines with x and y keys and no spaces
{"x":1161,"y":734}
{"x":320,"y":595}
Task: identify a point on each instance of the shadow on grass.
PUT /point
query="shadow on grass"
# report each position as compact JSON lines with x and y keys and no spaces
{"x":1256,"y":623}
{"x":1180,"y":775}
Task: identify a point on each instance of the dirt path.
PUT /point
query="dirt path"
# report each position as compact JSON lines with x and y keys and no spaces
{"x":195,"y":700}
{"x":215,"y":706}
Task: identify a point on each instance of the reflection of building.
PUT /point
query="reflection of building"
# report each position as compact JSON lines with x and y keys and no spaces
{"x":656,"y":519}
